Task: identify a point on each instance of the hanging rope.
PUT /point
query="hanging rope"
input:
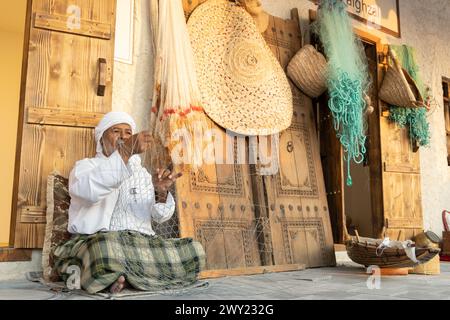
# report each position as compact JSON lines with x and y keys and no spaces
{"x":348,"y":79}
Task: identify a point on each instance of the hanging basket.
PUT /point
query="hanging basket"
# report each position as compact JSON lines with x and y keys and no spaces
{"x":398,"y":88}
{"x":307,"y":70}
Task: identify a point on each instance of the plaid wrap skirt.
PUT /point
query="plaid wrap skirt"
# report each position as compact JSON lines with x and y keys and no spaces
{"x":147,"y":262}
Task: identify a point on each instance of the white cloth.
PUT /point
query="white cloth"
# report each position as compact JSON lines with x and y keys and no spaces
{"x":96,"y":185}
{"x":111,"y":119}
{"x":407,"y":245}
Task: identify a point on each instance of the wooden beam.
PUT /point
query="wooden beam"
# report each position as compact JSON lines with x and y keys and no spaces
{"x":13,"y":255}
{"x":400,"y":169}
{"x":31,"y":214}
{"x":394,"y":271}
{"x":404,"y":224}
{"x":63,"y":117}
{"x":60,"y":23}
{"x":250,"y":271}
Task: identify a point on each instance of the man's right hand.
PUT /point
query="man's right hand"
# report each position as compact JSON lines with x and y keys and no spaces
{"x":137,"y":144}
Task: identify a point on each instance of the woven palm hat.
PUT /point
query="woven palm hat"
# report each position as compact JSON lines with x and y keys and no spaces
{"x":243,"y":87}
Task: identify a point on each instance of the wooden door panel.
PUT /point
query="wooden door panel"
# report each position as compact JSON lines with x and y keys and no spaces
{"x":300,"y":226}
{"x":401,"y":182}
{"x":63,"y":68}
{"x":397,"y":151}
{"x":216,"y":207}
{"x":270,"y":35}
{"x":299,"y":220}
{"x":61,"y":100}
{"x":211,"y":241}
{"x":298,"y":174}
{"x":331,"y":155}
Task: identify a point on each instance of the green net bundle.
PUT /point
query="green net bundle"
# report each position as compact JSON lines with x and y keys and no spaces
{"x":413,"y":118}
{"x":348,"y":78}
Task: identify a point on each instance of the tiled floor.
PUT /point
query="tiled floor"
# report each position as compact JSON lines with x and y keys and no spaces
{"x":344,"y":282}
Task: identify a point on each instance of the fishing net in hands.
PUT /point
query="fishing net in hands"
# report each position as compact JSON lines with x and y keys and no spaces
{"x":143,"y":241}
{"x":347,"y":77}
{"x":177,"y":114}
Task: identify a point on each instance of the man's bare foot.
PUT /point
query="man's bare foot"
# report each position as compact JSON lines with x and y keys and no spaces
{"x":119,"y":285}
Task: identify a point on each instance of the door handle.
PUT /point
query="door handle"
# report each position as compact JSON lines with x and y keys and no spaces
{"x":290,"y":146}
{"x":101,"y":83}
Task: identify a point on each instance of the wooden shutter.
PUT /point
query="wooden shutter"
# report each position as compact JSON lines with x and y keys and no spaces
{"x":68,"y":89}
{"x":401,"y":182}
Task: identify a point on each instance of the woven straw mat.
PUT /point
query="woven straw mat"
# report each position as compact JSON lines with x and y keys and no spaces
{"x":243,"y":87}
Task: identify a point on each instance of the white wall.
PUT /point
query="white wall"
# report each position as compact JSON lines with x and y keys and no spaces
{"x":425,"y":26}
{"x":133,"y":84}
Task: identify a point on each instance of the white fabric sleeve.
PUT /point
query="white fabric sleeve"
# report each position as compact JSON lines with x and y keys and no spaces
{"x":161,"y":212}
{"x":94,"y":179}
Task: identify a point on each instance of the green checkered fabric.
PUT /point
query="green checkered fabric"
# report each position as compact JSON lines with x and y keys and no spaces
{"x":147,"y":262}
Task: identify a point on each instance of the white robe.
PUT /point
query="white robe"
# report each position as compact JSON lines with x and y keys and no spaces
{"x":96,"y":185}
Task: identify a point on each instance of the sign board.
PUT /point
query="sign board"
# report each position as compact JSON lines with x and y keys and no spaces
{"x":383,"y":15}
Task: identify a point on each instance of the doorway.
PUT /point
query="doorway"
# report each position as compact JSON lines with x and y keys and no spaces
{"x":358,"y":207}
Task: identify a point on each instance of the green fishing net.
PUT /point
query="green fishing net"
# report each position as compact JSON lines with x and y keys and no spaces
{"x":413,"y":118}
{"x":348,"y":78}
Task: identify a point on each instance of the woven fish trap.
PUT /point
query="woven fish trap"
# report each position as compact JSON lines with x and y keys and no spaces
{"x":243,"y":87}
{"x":307,"y":70}
{"x":399,"y":88}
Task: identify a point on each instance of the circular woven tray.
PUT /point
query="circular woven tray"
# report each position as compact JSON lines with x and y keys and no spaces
{"x":243,"y":87}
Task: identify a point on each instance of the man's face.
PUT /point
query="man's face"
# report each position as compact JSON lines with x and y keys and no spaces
{"x":112,"y":135}
{"x":254,"y":7}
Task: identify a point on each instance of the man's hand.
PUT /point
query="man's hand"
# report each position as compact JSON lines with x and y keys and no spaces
{"x":163,"y":181}
{"x":137,"y":144}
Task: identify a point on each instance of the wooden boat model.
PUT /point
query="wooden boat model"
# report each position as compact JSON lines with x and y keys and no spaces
{"x":364,"y":251}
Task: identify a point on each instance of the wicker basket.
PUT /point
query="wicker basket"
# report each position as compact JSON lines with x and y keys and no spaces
{"x":398,"y":88}
{"x":307,"y":70}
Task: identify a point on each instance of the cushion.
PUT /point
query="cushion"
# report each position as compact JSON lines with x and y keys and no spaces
{"x":58,"y":201}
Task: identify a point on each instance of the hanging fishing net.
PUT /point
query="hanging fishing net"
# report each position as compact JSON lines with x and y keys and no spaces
{"x":348,"y":78}
{"x":415,"y":119}
{"x":177,"y":114}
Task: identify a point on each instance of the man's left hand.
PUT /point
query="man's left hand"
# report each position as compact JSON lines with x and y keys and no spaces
{"x":163,"y":181}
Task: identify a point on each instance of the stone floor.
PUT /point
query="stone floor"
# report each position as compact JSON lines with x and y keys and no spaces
{"x":343,"y":282}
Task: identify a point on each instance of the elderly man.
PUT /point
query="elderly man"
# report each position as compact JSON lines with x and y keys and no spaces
{"x":114,"y":200}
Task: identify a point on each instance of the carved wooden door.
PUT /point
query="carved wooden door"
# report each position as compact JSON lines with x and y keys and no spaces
{"x":68,"y":89}
{"x":298,"y":212}
{"x":215,"y":206}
